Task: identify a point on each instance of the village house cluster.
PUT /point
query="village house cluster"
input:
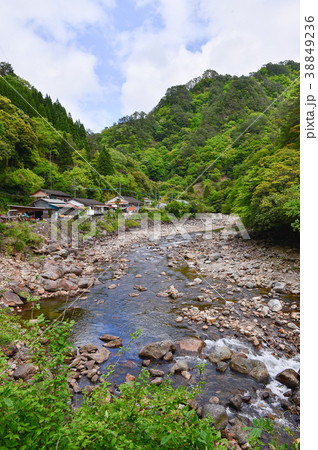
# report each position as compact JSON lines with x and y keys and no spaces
{"x":48,"y":203}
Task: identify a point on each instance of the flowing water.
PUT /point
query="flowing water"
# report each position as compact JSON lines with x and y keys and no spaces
{"x":113,"y":311}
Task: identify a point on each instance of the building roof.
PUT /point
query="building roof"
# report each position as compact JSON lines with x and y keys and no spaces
{"x":124,"y":198}
{"x":52,"y":192}
{"x":89,"y":202}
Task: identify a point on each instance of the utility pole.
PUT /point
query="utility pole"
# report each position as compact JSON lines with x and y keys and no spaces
{"x":50,"y":169}
{"x":119,"y":189}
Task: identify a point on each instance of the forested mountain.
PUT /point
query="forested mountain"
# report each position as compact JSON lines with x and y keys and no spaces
{"x":41,"y":146}
{"x":225,"y":143}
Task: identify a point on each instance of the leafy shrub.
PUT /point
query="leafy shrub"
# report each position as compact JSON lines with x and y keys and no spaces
{"x":19,"y":237}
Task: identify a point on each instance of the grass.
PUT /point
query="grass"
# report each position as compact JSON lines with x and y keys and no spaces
{"x":18,"y":237}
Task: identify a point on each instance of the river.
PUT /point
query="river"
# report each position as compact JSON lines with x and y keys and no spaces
{"x":113,"y":311}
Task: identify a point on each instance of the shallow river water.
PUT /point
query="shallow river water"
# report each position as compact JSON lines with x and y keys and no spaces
{"x":113,"y":311}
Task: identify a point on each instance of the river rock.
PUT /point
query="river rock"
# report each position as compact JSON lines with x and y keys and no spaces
{"x":157,"y":350}
{"x":11,"y":299}
{"x":156,"y":373}
{"x":50,"y":285}
{"x":237,"y":430}
{"x":139,"y":288}
{"x":109,"y":337}
{"x":116,"y":343}
{"x":220,"y":353}
{"x":279,"y":287}
{"x":22,"y":291}
{"x":52,"y":271}
{"x":100,"y":356}
{"x":24,"y":371}
{"x":240,"y":364}
{"x":67,"y":285}
{"x":217,"y":413}
{"x":259,"y":371}
{"x":275,"y":305}
{"x":87,"y":348}
{"x":179,"y":366}
{"x":256,"y":369}
{"x":83,"y":283}
{"x":190,"y":345}
{"x":289,"y":378}
{"x":236,"y":401}
{"x":221,"y":366}
{"x":156,"y":381}
{"x":295,"y":398}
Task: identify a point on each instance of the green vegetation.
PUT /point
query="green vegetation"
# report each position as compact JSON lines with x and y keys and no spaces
{"x":38,"y":413}
{"x":210,"y":142}
{"x":18,"y":237}
{"x":41,"y":146}
{"x":224,"y":143}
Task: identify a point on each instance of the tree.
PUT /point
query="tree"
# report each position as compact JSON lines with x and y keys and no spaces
{"x":6,"y":69}
{"x":104,"y":162}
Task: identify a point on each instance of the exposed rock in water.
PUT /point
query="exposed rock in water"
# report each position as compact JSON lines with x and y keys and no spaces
{"x":289,"y":378}
{"x":157,"y":350}
{"x":220,"y":353}
{"x":190,"y":345}
{"x":100,"y":356}
{"x":217,"y":413}
{"x":179,"y":366}
{"x":252,"y":367}
{"x":237,"y":429}
{"x":89,"y":348}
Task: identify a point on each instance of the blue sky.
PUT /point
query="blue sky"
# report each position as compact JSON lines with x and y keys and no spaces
{"x":104,"y":59}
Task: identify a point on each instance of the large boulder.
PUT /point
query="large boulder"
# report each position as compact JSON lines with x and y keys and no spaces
{"x":217,"y":413}
{"x":240,"y":364}
{"x":51,"y":285}
{"x":259,"y":371}
{"x":100,"y":356}
{"x":190,"y":345}
{"x":237,"y":430}
{"x":289,"y":378}
{"x":11,"y":299}
{"x":275,"y":305}
{"x":52,"y":271}
{"x":179,"y":366}
{"x":220,"y":353}
{"x":157,"y":350}
{"x":24,"y":372}
{"x":279,"y":287}
{"x":253,"y":367}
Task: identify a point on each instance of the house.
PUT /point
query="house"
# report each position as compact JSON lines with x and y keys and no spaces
{"x":49,"y":193}
{"x":147,"y":201}
{"x":52,"y":205}
{"x":94,"y":207}
{"x":18,"y":211}
{"x":127,"y":204}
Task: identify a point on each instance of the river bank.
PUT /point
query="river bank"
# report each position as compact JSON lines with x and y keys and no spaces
{"x":243,"y":322}
{"x":57,"y":268}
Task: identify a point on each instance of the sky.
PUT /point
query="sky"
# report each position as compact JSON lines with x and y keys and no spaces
{"x":105,"y":59}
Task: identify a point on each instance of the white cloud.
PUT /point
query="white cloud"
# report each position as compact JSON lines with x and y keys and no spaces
{"x":101,"y":75}
{"x":239,"y":37}
{"x":42,"y":45}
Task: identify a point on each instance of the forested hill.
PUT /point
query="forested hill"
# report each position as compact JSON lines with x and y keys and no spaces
{"x":42,"y":146}
{"x":219,"y":118}
{"x":224,"y":143}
